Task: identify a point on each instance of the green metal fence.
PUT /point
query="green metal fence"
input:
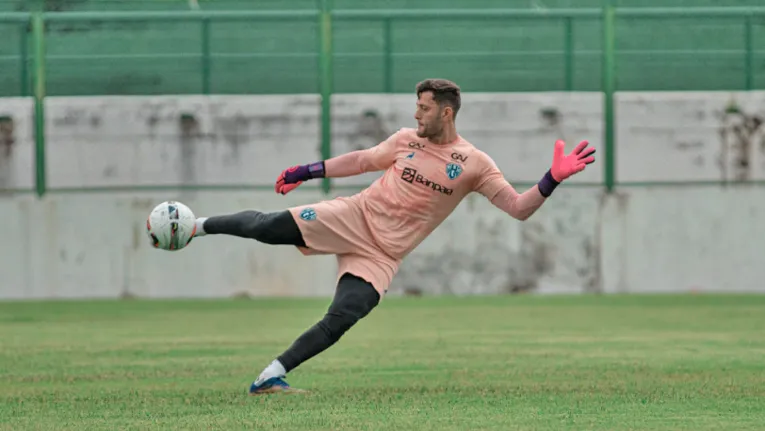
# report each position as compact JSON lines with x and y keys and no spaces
{"x":606,"y":56}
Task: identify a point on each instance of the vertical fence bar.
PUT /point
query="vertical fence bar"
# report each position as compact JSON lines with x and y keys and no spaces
{"x":388,"y":47}
{"x":38,"y":34}
{"x":24,"y":59}
{"x":325,"y":83}
{"x":609,"y":87}
{"x":206,"y":56}
{"x":749,"y":56}
{"x":569,"y":52}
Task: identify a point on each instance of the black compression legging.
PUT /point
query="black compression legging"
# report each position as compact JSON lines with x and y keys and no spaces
{"x":276,"y":228}
{"x":354,"y":296}
{"x":354,"y":299}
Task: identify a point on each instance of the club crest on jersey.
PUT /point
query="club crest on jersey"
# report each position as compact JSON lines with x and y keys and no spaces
{"x":453,"y":170}
{"x":308,"y":214}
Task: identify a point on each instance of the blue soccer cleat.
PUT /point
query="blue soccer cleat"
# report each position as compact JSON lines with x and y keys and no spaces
{"x":272,"y":385}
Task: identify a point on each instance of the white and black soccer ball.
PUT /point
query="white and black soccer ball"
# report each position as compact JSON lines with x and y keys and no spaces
{"x":171,"y":226}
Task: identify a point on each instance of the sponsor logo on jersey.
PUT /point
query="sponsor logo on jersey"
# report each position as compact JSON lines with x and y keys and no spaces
{"x":411,"y":176}
{"x":459,"y":157}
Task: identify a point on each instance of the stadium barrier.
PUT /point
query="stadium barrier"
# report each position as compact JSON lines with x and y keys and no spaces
{"x":325,"y":17}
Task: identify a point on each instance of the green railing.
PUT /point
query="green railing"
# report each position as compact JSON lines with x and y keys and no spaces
{"x":325,"y":17}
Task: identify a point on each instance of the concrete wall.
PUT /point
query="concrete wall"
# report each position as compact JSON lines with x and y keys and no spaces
{"x":641,"y":239}
{"x":690,"y":136}
{"x":124,"y":141}
{"x":17,"y":161}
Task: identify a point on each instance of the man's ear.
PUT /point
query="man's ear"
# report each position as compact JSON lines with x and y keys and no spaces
{"x":447,"y":112}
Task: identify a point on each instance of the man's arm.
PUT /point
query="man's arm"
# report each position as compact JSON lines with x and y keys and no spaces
{"x":520,"y":206}
{"x":377,"y":158}
{"x":492,"y":184}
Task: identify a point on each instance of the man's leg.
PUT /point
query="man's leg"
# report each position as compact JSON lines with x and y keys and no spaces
{"x":276,"y":228}
{"x":354,"y":299}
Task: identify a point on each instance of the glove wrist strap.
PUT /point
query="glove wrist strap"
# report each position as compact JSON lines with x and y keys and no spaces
{"x":547,"y":184}
{"x":316,"y":170}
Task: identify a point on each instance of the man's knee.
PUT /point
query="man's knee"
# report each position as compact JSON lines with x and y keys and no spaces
{"x":258,"y":225}
{"x":355,"y":296}
{"x":273,"y":228}
{"x":355,"y":299}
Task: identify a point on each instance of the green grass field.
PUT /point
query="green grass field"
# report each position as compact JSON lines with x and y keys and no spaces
{"x":504,"y":363}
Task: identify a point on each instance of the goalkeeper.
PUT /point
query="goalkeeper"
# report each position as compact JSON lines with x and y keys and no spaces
{"x":428,"y":171}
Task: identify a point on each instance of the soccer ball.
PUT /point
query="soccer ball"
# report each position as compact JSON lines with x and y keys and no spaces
{"x":171,"y":226}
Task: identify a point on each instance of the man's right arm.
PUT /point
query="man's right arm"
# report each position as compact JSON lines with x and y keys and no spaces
{"x":377,"y":158}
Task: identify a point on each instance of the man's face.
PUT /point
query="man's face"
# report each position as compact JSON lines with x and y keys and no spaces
{"x":429,"y":116}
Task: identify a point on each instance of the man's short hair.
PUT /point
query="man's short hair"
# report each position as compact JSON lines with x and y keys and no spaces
{"x":444,"y":92}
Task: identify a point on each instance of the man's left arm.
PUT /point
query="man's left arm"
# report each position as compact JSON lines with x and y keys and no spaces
{"x":492,"y":184}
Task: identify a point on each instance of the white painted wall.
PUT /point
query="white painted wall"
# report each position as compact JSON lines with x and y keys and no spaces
{"x":95,"y":245}
{"x":125,"y":141}
{"x":687,"y":136}
{"x":97,"y":141}
{"x":640,"y":240}
{"x":675,"y":238}
{"x":18,"y":170}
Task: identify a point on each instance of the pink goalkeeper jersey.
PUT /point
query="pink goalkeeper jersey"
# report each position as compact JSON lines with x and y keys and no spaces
{"x":422,"y":185}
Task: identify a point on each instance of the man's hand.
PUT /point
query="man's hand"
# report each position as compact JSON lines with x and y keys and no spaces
{"x":564,"y":166}
{"x":288,"y":181}
{"x":293,"y":177}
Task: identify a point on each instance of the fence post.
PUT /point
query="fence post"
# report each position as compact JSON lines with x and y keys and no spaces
{"x":749,"y":59}
{"x":206,"y":56}
{"x":38,"y":34}
{"x":325,"y":83}
{"x":609,"y":87}
{"x":24,"y":54}
{"x":388,"y":42}
{"x":569,"y":52}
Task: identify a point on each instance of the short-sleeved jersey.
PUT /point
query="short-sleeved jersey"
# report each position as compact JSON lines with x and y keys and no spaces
{"x":422,"y":185}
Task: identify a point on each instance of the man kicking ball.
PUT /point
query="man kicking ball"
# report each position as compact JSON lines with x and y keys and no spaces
{"x":428,"y":171}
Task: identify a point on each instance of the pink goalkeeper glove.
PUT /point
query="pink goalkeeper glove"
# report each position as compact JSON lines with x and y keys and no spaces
{"x":293,"y":177}
{"x":564,"y":166}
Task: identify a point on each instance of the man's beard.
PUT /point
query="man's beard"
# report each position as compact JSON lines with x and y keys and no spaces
{"x":430,"y":131}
